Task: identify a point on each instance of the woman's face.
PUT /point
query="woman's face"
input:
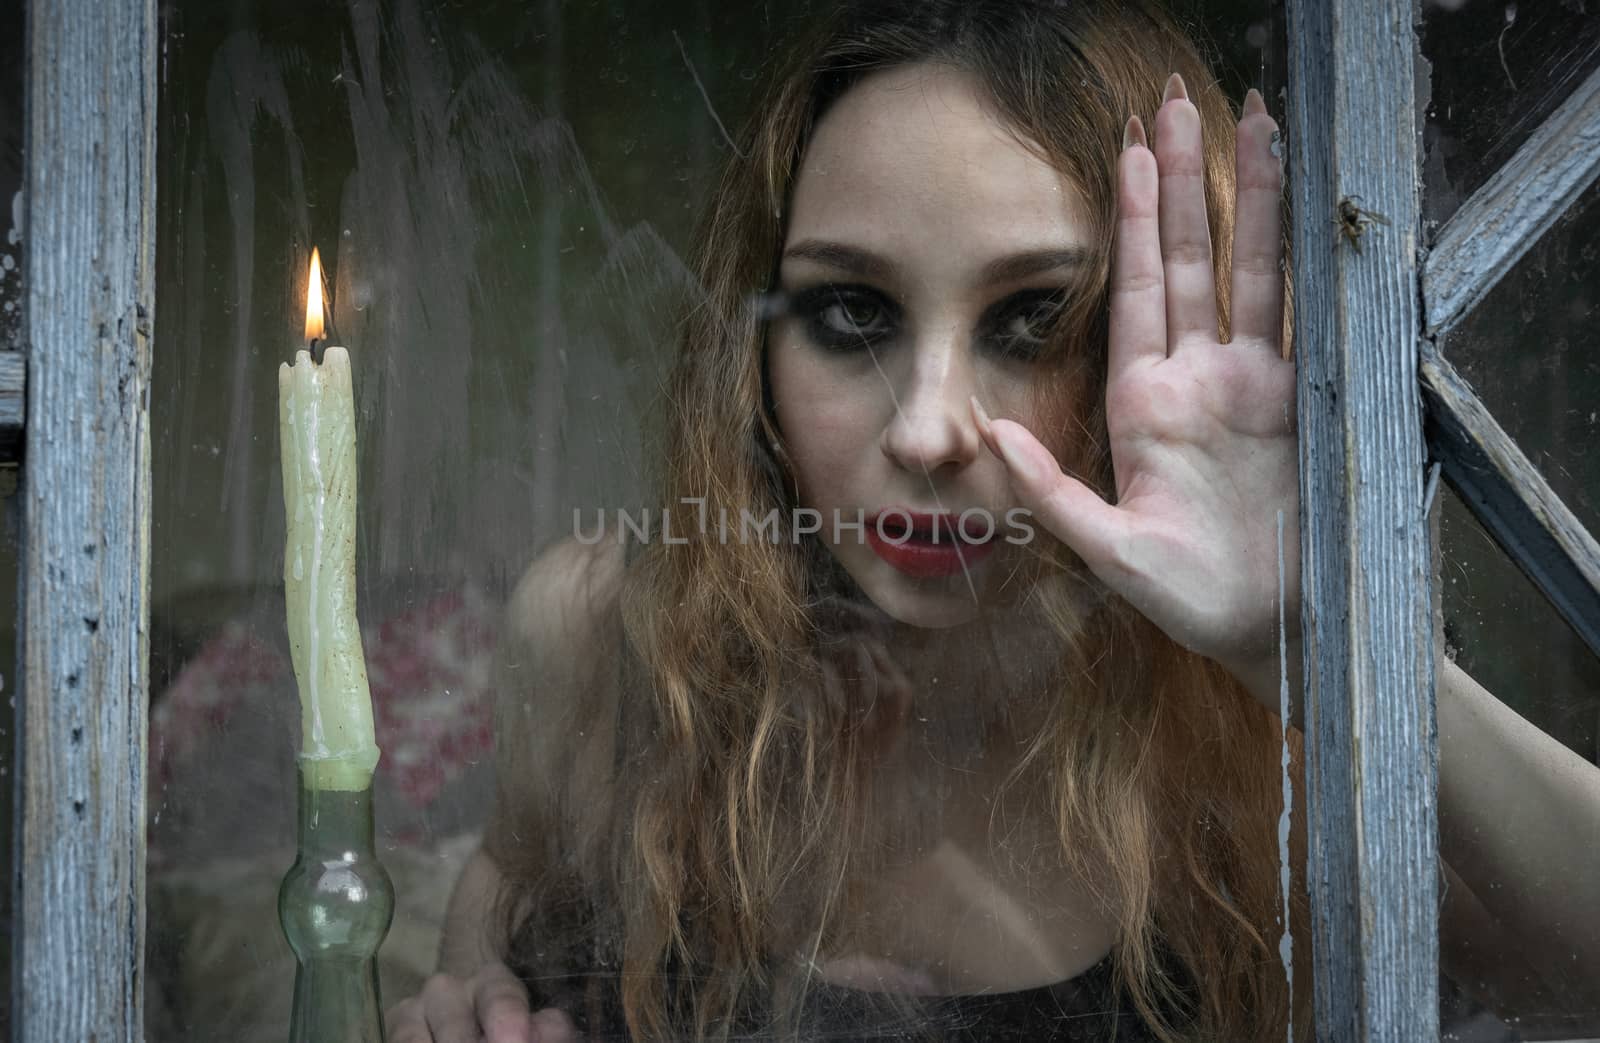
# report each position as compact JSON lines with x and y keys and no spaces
{"x":927,"y":251}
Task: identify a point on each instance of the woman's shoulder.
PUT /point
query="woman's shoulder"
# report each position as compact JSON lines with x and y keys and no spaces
{"x":566,"y":601}
{"x":557,"y":678}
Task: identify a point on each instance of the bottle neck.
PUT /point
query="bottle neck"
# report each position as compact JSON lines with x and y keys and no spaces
{"x":334,"y":823}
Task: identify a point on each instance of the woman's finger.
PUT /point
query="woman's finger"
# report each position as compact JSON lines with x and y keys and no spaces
{"x":447,"y":1008}
{"x":1074,"y":513}
{"x":867,"y":683}
{"x":553,"y":1026}
{"x":834,"y":686}
{"x":896,"y":695}
{"x":1138,"y":308}
{"x":501,"y":1003}
{"x":1191,"y":290}
{"x":893,"y":684}
{"x":405,"y":1023}
{"x":1257,"y":299}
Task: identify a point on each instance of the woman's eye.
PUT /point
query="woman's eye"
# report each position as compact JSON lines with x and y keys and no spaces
{"x":851,"y":316}
{"x":839,"y":317}
{"x":1026,"y":324}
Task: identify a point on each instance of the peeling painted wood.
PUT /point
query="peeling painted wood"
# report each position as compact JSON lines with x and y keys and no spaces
{"x":1510,"y":498}
{"x":1371,"y":740}
{"x":1503,"y":219}
{"x":89,"y":204}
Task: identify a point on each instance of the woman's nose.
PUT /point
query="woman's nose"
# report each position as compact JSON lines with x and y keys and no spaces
{"x":932,"y":425}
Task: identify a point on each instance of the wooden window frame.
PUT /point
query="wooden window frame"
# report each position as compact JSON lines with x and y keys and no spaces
{"x":83,"y":611}
{"x":1366,"y":325}
{"x":1366,"y":618}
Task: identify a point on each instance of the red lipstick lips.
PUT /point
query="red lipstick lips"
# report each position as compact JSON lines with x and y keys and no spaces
{"x":927,"y":545}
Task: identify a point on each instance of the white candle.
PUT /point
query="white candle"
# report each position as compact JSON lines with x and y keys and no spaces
{"x":317,"y":431}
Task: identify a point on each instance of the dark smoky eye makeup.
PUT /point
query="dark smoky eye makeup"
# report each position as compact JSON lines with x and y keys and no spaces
{"x":844,"y":317}
{"x":1022,"y":325}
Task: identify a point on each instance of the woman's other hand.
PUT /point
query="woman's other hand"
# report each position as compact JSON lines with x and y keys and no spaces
{"x":489,"y":1007}
{"x":1202,"y":433}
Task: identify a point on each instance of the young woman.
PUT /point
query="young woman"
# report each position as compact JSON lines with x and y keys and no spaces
{"x":918,"y":723}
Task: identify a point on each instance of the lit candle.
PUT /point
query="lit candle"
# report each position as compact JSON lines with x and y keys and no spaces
{"x":317,"y":431}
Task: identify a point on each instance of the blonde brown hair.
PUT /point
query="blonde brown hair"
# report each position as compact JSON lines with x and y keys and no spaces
{"x":741,"y":796}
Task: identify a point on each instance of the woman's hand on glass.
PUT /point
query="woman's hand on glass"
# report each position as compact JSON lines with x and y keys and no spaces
{"x":856,"y":666}
{"x":1201,"y":432}
{"x":489,"y":1007}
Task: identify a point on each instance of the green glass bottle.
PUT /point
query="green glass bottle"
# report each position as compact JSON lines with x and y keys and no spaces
{"x":336,"y":904}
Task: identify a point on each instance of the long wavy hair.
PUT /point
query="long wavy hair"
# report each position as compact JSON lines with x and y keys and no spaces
{"x":745,"y":793}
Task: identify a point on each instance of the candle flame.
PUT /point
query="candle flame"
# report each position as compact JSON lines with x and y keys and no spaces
{"x":314,"y":327}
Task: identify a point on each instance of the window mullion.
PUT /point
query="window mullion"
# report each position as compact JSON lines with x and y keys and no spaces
{"x":1503,"y":219}
{"x":1371,"y":744}
{"x":1511,"y":499}
{"x":89,"y":199}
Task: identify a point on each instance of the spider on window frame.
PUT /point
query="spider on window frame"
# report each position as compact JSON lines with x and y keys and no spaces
{"x":1353,"y":221}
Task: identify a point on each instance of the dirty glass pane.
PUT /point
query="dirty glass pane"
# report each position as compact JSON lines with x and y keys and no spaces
{"x":502,"y":195}
{"x":1517,"y":939}
{"x":735,"y":765}
{"x":1499,"y":67}
{"x":1527,"y":351}
{"x":1516,"y":982}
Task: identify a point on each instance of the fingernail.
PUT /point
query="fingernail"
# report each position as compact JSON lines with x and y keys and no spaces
{"x":1175,"y":89}
{"x":985,"y":427}
{"x":1133,"y":134}
{"x":1254,"y":104}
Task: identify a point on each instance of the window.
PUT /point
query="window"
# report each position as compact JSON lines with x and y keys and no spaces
{"x":505,"y":198}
